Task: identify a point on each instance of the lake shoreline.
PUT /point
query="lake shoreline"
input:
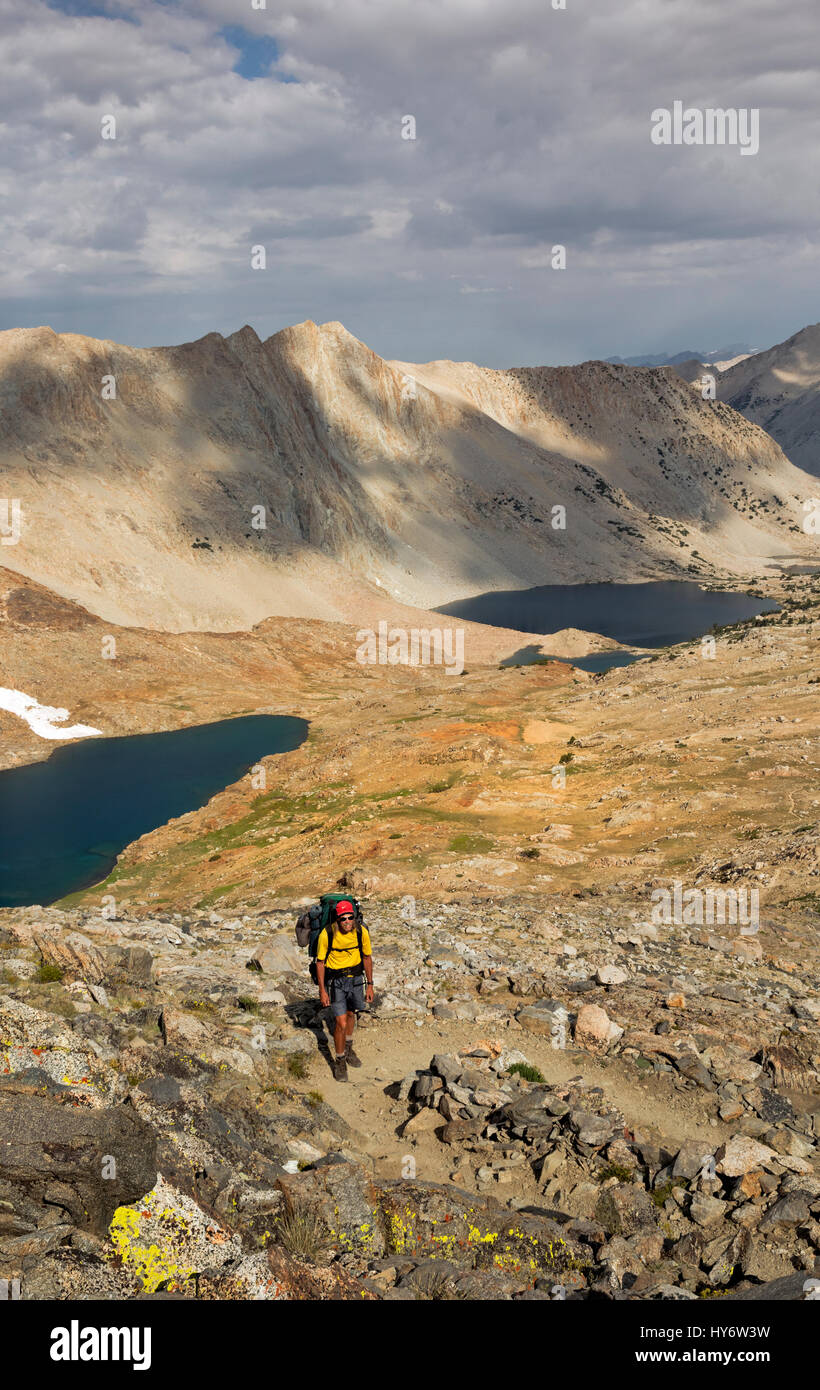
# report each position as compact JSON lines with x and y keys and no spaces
{"x":62,"y":817}
{"x":639,"y":618}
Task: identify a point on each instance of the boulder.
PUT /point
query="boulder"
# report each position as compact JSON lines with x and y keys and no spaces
{"x":80,"y":958}
{"x":623,"y":1257}
{"x":456,"y":1131}
{"x":87,"y":1161}
{"x":792,"y":1210}
{"x":528,"y":1112}
{"x":182,"y":1030}
{"x":67,"y":1274}
{"x":740,"y":1154}
{"x":299,"y":1044}
{"x":690,"y":1158}
{"x":595,"y":1030}
{"x":763,"y":1263}
{"x":446,"y":1066}
{"x":509,"y":1057}
{"x":426,"y":1085}
{"x":443,"y":955}
{"x":548,"y":1017}
{"x":278,"y":955}
{"x":746,"y":1187}
{"x":489,"y":1097}
{"x":690,"y":1066}
{"x":591,"y":1129}
{"x":787,"y":1288}
{"x":536,"y":1020}
{"x":611,"y":975}
{"x":624,"y":1210}
{"x":74,"y":954}
{"x":425,"y":1121}
{"x":128,"y":964}
{"x":705,"y":1210}
{"x":344,"y":1199}
{"x":619,"y":1152}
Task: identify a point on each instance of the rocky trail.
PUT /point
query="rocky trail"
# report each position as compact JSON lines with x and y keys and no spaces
{"x":609,"y":1109}
{"x":575,"y":1083}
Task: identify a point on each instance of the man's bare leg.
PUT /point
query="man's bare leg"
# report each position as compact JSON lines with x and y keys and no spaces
{"x":343,"y":1032}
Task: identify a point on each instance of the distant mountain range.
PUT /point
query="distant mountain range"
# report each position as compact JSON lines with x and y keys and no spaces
{"x":212,"y":485}
{"x":662,"y":359}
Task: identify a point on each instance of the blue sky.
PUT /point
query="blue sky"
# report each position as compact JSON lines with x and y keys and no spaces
{"x":238,"y":127}
{"x":256,"y":52}
{"x":88,"y":9}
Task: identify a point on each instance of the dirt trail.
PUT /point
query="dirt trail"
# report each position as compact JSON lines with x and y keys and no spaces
{"x":389,"y":1050}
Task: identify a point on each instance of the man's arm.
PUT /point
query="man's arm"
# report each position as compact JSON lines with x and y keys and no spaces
{"x":367,"y":962}
{"x":324,"y":997}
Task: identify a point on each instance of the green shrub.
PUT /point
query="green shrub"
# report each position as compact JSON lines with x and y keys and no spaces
{"x":49,"y":974}
{"x":615,"y":1170}
{"x":526,"y":1072}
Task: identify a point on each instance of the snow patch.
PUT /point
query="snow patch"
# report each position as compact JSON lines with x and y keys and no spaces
{"x":43,"y":719}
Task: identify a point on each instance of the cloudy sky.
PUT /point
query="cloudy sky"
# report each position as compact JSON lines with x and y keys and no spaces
{"x":282,"y":127}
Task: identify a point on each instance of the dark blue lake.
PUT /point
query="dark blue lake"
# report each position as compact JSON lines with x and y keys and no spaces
{"x":595,"y":662}
{"x":64,"y":821}
{"x":656,"y":614}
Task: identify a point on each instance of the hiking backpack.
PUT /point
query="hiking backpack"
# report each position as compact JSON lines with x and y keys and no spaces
{"x":312,"y":923}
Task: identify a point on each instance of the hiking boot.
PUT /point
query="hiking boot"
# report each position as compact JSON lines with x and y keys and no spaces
{"x":340,"y":1069}
{"x":351,"y":1058}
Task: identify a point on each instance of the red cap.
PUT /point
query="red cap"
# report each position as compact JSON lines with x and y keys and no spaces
{"x":344,"y":907}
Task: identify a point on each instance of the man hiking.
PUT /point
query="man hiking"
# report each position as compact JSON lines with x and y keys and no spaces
{"x":339,"y":967}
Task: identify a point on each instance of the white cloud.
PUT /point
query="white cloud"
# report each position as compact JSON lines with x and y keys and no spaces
{"x":532,"y":129}
{"x":389,"y":222}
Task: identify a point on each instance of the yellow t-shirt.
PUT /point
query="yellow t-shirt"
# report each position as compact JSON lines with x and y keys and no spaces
{"x":345,"y":953}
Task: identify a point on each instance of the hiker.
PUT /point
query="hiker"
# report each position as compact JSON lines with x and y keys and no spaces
{"x":342,"y":987}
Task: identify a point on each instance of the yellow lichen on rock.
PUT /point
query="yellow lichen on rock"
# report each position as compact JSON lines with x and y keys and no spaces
{"x":153,"y":1266}
{"x":167,"y":1239}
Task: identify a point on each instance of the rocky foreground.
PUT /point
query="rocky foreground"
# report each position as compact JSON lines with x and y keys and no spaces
{"x":570,"y":1102}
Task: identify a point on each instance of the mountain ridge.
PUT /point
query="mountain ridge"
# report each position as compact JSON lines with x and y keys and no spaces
{"x":425,"y":483}
{"x":779,"y":389}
